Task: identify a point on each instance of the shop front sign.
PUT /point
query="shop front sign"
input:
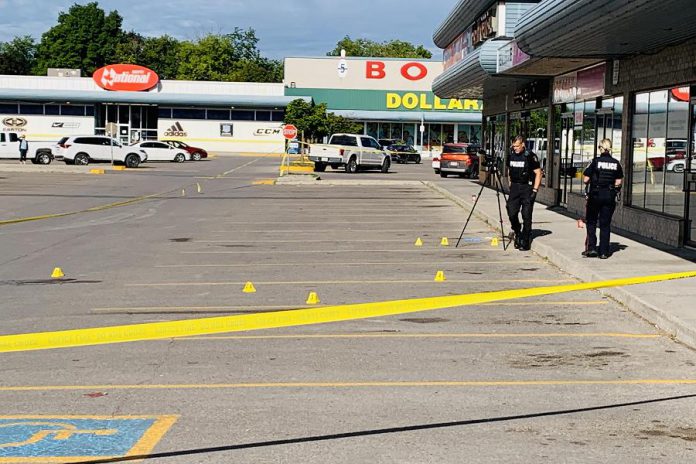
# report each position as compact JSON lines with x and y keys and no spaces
{"x":425,"y":101}
{"x":411,"y":71}
{"x":565,"y":88}
{"x":485,"y":27}
{"x":590,"y":83}
{"x":125,"y":78}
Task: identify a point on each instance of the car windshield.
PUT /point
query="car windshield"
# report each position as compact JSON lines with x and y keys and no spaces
{"x":456,"y":149}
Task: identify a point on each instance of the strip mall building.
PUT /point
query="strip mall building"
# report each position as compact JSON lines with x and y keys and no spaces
{"x":568,"y":73}
{"x":392,"y":98}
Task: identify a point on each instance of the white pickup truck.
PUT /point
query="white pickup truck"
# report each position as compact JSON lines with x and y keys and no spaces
{"x":353,"y":151}
{"x":39,"y":152}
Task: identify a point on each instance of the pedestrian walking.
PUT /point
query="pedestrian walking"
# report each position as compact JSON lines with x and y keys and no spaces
{"x":603,"y":179}
{"x":524,"y":174}
{"x":23,"y":149}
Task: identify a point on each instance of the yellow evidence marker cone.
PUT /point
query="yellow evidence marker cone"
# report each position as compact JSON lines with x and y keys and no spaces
{"x":494,"y":242}
{"x":444,"y":241}
{"x":440,"y":276}
{"x":249,"y":288}
{"x":312,"y":298}
{"x":419,"y":242}
{"x":57,"y":273}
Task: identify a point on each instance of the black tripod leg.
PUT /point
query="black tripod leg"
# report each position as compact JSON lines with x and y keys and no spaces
{"x":498,"y":190}
{"x":471,"y":212}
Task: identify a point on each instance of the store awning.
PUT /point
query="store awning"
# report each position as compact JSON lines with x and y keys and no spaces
{"x":410,"y":116}
{"x":462,"y":15}
{"x":466,"y":79}
{"x":611,"y":28}
{"x":147,"y":98}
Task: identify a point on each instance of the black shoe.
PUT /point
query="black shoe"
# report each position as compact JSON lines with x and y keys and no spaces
{"x":524,"y":245}
{"x":590,"y":254}
{"x":603,"y":256}
{"x":518,"y":241}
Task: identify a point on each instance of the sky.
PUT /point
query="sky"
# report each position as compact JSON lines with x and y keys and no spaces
{"x":284,"y":27}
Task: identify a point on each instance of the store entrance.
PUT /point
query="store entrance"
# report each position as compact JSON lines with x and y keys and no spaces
{"x":127,"y":123}
{"x":567,"y":170}
{"x":690,"y":181}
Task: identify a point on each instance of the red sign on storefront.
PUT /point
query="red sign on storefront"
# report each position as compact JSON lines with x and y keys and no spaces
{"x":125,"y":77}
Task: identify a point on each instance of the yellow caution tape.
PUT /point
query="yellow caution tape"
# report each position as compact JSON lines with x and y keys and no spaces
{"x":217,"y":325}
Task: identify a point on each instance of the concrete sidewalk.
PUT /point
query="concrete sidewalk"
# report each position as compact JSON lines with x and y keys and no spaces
{"x":671,"y":305}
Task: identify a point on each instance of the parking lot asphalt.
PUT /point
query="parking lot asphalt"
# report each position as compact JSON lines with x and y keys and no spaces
{"x":571,"y":377}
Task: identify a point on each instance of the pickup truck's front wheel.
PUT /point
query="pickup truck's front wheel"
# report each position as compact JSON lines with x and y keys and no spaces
{"x":352,"y":166}
{"x":319,"y":167}
{"x":385,"y":165}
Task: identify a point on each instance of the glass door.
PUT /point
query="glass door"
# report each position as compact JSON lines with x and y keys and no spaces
{"x":690,"y":181}
{"x":567,"y":170}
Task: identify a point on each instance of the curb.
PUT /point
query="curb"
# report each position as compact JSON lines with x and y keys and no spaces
{"x":656,"y":316}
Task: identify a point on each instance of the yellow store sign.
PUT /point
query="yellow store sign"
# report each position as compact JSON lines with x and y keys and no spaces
{"x":428,"y":101}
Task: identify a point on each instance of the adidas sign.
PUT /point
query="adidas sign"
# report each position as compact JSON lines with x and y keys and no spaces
{"x":176,"y":131}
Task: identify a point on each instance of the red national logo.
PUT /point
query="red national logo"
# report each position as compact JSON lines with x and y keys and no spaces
{"x":125,"y":77}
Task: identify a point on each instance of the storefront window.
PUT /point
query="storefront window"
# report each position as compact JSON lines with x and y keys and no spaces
{"x":372,"y":129}
{"x":536,"y":134}
{"x":448,"y":133}
{"x":409,"y":130}
{"x":475,"y":134}
{"x":660,"y":130}
{"x":463,"y":133}
{"x":433,"y":136}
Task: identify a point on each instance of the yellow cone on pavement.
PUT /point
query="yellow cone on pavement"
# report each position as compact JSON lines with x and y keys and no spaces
{"x":444,"y":241}
{"x":494,"y":242}
{"x":419,"y":242}
{"x":249,"y":288}
{"x":312,"y":298}
{"x":440,"y":276}
{"x":57,"y":273}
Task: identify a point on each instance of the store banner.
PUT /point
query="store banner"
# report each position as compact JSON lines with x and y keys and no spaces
{"x":564,"y":88}
{"x":590,"y":82}
{"x":396,"y":100}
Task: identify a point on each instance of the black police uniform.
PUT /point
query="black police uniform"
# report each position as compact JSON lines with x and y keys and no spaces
{"x":601,"y":202}
{"x":521,"y":169}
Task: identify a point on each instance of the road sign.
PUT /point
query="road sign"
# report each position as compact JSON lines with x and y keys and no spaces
{"x":289,"y":131}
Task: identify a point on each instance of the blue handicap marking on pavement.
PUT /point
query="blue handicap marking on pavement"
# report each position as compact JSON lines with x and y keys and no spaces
{"x":79,"y":436}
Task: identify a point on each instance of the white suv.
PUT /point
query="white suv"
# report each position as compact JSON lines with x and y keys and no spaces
{"x":85,"y":149}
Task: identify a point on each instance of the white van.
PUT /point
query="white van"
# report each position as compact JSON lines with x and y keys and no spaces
{"x":39,"y":152}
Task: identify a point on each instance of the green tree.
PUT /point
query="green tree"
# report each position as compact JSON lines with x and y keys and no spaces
{"x":17,"y":56}
{"x":386,"y":49}
{"x":156,"y":53}
{"x":259,"y":70}
{"x":310,"y":119}
{"x":85,"y":38}
{"x":338,"y":124}
{"x":314,"y":122}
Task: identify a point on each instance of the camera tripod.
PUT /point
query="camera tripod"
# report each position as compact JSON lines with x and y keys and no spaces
{"x":493,"y":180}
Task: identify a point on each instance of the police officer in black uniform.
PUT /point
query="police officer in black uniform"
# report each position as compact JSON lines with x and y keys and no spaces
{"x":603,"y":178}
{"x":524,"y":173}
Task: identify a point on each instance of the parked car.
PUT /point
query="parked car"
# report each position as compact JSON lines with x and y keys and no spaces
{"x":403,"y":153}
{"x":39,"y":152}
{"x":160,"y":151}
{"x":85,"y":149}
{"x":459,"y":158}
{"x":436,"y":164}
{"x":196,"y":153}
{"x":353,"y":151}
{"x":679,"y":165}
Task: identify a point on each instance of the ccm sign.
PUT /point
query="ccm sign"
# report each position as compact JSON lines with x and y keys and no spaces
{"x":411,"y":71}
{"x":125,"y":77}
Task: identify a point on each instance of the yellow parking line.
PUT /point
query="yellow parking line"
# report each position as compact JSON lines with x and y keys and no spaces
{"x":367,"y":263}
{"x":344,"y":282}
{"x":373,"y":384}
{"x":427,"y":335}
{"x":275,"y":252}
{"x":258,"y":321}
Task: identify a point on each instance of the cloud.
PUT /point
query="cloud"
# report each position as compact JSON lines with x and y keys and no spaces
{"x":285,"y":28}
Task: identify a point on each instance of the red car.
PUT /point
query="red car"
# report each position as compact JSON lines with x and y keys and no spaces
{"x":196,"y":153}
{"x":460,"y":159}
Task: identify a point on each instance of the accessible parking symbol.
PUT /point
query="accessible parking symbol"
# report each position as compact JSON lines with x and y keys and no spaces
{"x":34,"y":439}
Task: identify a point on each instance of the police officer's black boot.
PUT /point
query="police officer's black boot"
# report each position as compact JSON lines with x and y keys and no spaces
{"x":525,"y":241}
{"x":518,"y":240}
